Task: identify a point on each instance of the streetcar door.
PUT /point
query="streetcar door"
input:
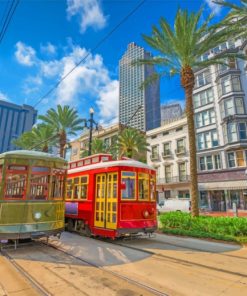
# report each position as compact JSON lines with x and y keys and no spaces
{"x":100,"y":194}
{"x":111,"y":201}
{"x":106,"y":201}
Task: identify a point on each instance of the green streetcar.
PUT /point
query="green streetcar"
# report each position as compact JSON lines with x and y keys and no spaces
{"x":31,"y":194}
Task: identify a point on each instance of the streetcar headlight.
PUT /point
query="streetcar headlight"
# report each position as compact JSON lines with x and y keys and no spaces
{"x":145,"y":214}
{"x":37,"y":215}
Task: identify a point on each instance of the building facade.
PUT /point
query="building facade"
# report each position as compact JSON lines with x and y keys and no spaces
{"x":138,"y":107}
{"x":170,"y":111}
{"x":220,"y":106}
{"x":109,"y":136}
{"x":14,"y":121}
{"x":169,"y":155}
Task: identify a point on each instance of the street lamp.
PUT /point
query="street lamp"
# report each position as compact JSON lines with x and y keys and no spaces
{"x":91,"y":124}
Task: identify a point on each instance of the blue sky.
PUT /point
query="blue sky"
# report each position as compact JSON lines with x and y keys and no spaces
{"x":47,"y":37}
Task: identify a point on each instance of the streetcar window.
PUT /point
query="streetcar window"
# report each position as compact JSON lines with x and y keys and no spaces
{"x":76,"y":188}
{"x":17,"y":168}
{"x":58,"y":178}
{"x":84,"y":187}
{"x":152,"y":188}
{"x":39,"y":183}
{"x":95,"y":159}
{"x":143,"y":186}
{"x":15,"y":185}
{"x":69,"y":188}
{"x":128,"y":185}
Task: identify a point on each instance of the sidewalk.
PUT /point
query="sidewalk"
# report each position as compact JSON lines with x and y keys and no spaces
{"x":12,"y":282}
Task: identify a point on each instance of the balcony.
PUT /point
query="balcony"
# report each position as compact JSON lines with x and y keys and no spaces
{"x":180,"y":151}
{"x":174,"y":180}
{"x":154,"y":157}
{"x":167,"y":154}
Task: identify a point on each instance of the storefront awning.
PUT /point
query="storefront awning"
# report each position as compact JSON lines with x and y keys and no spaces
{"x":227,"y":185}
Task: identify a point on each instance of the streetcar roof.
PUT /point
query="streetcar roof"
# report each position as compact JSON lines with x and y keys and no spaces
{"x":31,"y":154}
{"x":113,"y":163}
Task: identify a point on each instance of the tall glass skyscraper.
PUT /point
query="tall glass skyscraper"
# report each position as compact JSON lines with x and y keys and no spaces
{"x":14,"y":120}
{"x":138,"y":108}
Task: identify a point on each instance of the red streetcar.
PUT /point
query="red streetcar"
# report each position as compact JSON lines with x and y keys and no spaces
{"x":110,"y":198}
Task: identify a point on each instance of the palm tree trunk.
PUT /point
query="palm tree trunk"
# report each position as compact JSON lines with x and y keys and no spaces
{"x":188,"y":81}
{"x":62,"y":142}
{"x":45,"y":148}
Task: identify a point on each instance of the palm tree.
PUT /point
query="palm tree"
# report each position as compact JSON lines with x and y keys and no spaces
{"x":236,"y":19}
{"x":44,"y":137}
{"x":132,"y":143}
{"x":180,"y":51}
{"x":64,"y":121}
{"x":98,"y":146}
{"x":25,"y":141}
{"x":39,"y":138}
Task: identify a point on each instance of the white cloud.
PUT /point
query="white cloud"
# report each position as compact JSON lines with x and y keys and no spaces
{"x":49,"y":49}
{"x":90,"y":13}
{"x":108,"y":102}
{"x":32,"y":84}
{"x":89,"y":81}
{"x":215,"y":8}
{"x":24,"y":54}
{"x":3,"y":97}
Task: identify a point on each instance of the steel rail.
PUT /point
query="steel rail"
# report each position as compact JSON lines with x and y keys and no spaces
{"x":116,"y":274}
{"x":36,"y":285}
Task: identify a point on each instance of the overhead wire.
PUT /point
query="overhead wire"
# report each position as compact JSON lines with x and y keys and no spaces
{"x":8,"y":18}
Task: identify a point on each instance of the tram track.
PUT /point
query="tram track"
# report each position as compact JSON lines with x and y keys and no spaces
{"x":182,"y":261}
{"x":34,"y":283}
{"x":113,"y":273}
{"x":42,"y":290}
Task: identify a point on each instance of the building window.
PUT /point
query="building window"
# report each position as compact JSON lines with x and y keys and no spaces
{"x":205,"y":118}
{"x":207,"y":140}
{"x":202,"y":163}
{"x":167,"y":149}
{"x":242,"y":131}
{"x":229,"y":84}
{"x":168,"y":173}
{"x":154,"y":154}
{"x":217,"y":161}
{"x":210,"y":162}
{"x":184,"y":194}
{"x":203,"y":98}
{"x":240,"y":158}
{"x":231,"y":159}
{"x":182,"y":171}
{"x":202,"y":78}
{"x":232,"y":106}
{"x":180,"y":146}
{"x":229,"y":107}
{"x":239,"y":105}
{"x":232,"y":132}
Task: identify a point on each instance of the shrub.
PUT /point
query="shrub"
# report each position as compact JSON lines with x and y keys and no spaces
{"x":204,"y":226}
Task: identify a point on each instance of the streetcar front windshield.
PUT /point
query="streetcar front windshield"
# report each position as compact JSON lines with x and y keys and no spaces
{"x":128,"y":185}
{"x":39,"y":183}
{"x":16,"y":182}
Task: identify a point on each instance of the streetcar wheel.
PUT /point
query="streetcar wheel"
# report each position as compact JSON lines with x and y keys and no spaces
{"x":70,"y":225}
{"x":88,"y":231}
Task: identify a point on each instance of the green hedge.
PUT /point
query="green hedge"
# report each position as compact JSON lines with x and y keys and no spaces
{"x":225,"y":228}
